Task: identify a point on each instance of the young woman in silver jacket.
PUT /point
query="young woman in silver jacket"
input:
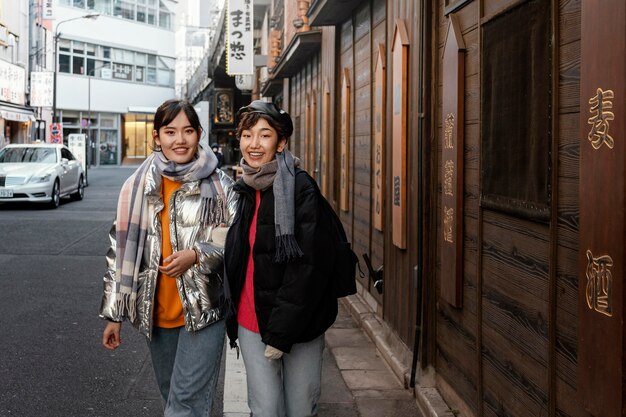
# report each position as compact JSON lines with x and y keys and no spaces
{"x":165,"y":263}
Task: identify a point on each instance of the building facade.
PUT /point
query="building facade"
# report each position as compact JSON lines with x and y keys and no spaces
{"x":17,"y":118}
{"x":113,"y":72}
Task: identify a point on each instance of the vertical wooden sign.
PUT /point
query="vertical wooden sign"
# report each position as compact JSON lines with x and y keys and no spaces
{"x":452,"y":165}
{"x":602,"y":192}
{"x":325,"y":126}
{"x":313,"y":135}
{"x":345,"y":141}
{"x":400,"y":55}
{"x":380,"y":92}
{"x":308,"y":164}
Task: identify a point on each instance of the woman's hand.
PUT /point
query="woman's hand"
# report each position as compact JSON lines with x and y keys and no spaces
{"x":178,"y":262}
{"x":111,"y":335}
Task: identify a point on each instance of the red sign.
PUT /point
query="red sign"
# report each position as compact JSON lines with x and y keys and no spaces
{"x":56,"y":133}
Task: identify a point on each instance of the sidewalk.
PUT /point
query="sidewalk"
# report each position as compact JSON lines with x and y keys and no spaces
{"x":355,"y":380}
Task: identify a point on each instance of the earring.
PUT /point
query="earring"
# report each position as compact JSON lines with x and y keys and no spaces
{"x":157,"y":148}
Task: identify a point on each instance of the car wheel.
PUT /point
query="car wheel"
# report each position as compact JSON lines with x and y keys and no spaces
{"x":80,"y":190}
{"x":55,"y":196}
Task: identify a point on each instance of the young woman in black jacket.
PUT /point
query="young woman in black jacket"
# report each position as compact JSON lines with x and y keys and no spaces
{"x":276,"y":262}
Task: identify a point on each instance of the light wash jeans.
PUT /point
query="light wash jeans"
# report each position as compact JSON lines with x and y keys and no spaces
{"x":187,"y":365}
{"x":289,"y":386}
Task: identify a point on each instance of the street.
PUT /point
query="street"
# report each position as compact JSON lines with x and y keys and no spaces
{"x":52,"y":363}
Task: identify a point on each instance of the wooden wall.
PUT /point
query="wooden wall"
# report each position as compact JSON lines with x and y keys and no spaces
{"x":511,"y":349}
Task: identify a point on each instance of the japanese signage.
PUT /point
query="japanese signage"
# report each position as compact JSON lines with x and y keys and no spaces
{"x":239,"y":37}
{"x":380,"y":92}
{"x":344,"y":169}
{"x":452,"y":165}
{"x":122,"y":71}
{"x":12,"y":81}
{"x":76,"y":143}
{"x":48,"y":9}
{"x":602,"y":221}
{"x":41,"y":87}
{"x":400,"y":54}
{"x":56,"y":133}
{"x":223,"y":109}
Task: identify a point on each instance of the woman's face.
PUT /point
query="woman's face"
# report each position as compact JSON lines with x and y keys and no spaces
{"x":260,"y":143}
{"x":178,"y":139}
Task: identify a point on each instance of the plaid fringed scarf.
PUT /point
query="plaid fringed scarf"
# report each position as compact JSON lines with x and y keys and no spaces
{"x":132,"y":216}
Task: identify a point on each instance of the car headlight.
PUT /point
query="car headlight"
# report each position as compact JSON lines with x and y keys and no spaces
{"x":41,"y":178}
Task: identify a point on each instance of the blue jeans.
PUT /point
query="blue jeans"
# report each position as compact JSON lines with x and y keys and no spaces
{"x":289,"y":386}
{"x":187,"y":365}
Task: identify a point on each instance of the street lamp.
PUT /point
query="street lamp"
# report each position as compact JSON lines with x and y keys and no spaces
{"x":56,"y":61}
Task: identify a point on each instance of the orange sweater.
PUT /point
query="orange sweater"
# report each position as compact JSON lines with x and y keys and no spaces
{"x":168,"y":309}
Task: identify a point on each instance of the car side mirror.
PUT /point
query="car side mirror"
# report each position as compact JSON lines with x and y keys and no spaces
{"x":65,"y":161}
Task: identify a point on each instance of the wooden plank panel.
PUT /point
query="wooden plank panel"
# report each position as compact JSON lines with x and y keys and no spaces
{"x":472,"y":99}
{"x":568,"y":212}
{"x":514,"y":384}
{"x":569,"y":21}
{"x":569,"y":146}
{"x":472,"y":52}
{"x":362,"y":21}
{"x":569,"y":77}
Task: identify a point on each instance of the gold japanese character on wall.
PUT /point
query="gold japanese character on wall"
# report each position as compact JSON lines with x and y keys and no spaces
{"x":448,"y":138}
{"x":599,"y":290}
{"x":448,"y":217}
{"x":448,"y":168}
{"x":600,"y":105}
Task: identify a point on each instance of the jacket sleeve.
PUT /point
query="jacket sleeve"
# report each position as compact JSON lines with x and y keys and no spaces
{"x":109,"y":308}
{"x":211,"y":253}
{"x":303,"y":285}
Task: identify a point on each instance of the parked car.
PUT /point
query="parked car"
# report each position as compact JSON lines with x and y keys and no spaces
{"x":40,"y":173}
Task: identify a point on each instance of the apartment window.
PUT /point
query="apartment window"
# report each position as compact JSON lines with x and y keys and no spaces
{"x":164,"y":19}
{"x":64,"y":63}
{"x":141,"y":14}
{"x":124,"y":9}
{"x":78,"y":65}
{"x":79,"y":3}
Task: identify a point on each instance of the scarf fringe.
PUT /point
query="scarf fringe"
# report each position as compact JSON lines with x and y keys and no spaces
{"x":125,"y":306}
{"x":213,"y":211}
{"x":287,"y":249}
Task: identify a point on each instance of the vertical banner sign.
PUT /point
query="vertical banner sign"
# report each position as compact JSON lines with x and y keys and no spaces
{"x":602,"y":188}
{"x":380,"y":92}
{"x":76,"y":143}
{"x":41,"y":83}
{"x":56,"y":133}
{"x":345,"y":141}
{"x":239,"y":37}
{"x":400,"y":54}
{"x":48,"y":9}
{"x":326,"y":139}
{"x":452,"y":165}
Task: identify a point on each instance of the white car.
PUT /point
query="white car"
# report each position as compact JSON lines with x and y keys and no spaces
{"x":40,"y":173}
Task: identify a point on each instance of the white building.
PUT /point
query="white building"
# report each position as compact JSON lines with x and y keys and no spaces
{"x":113,"y":72}
{"x":16,"y":117}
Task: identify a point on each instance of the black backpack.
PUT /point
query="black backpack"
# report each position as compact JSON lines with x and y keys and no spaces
{"x":345,"y":260}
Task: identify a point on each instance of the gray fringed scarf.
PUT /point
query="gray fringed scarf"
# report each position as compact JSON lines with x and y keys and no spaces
{"x":281,"y":174}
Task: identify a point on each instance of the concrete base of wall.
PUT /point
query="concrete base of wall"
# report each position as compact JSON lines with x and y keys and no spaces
{"x":397,"y":355}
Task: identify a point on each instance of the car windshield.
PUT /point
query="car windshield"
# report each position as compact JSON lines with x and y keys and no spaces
{"x":26,"y":154}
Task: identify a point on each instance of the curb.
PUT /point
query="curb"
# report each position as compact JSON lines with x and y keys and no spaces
{"x":428,"y":399}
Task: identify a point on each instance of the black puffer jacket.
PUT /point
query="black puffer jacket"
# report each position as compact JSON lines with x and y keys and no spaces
{"x":294,"y":301}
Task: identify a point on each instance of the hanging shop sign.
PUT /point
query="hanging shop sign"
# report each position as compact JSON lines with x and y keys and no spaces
{"x":48,"y":9}
{"x":12,"y":82}
{"x":400,"y":60}
{"x":56,"y":133}
{"x":239,"y":37}
{"x":41,"y":88}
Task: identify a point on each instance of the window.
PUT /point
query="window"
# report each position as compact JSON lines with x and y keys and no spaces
{"x":141,"y":14}
{"x":64,"y":45}
{"x":164,"y":20}
{"x":79,"y":3}
{"x":64,"y":63}
{"x":151,"y":76}
{"x":78,"y":65}
{"x":67,"y":155}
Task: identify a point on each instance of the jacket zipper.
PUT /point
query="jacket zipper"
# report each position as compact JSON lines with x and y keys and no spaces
{"x":182,"y":281}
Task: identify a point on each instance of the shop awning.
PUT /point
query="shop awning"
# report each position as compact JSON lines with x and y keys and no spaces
{"x":297,"y":53}
{"x":331,"y":12}
{"x":17,"y":113}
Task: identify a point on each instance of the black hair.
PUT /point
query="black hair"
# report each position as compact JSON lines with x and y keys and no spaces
{"x":249,"y":119}
{"x":170,"y":109}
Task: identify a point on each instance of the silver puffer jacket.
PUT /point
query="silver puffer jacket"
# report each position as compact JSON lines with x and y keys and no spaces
{"x":201,"y":286}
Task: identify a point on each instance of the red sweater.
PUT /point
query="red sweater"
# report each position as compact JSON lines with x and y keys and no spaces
{"x":246,"y":315}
